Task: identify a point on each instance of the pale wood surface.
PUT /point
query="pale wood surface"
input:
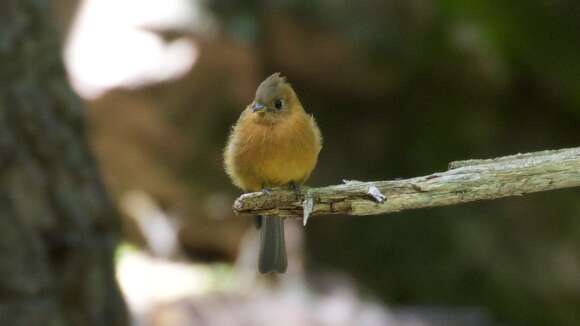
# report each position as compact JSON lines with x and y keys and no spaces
{"x":465,"y":181}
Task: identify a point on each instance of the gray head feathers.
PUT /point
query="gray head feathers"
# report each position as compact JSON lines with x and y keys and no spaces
{"x":271,"y":87}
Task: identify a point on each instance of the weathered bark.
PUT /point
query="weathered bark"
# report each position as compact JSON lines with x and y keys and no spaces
{"x":58,"y":229}
{"x":466,"y":181}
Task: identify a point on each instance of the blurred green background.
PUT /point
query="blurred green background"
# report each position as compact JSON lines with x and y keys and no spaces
{"x":399,"y":89}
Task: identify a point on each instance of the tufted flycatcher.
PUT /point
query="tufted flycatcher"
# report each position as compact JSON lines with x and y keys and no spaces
{"x":274,"y":143}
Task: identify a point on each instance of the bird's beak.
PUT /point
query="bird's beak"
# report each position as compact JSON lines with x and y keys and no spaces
{"x":258,"y":107}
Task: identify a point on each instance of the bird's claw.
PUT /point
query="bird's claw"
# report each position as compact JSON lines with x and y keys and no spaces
{"x":266,"y":191}
{"x":294,"y":187}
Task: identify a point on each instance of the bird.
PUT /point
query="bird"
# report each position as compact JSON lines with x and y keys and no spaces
{"x":274,"y":143}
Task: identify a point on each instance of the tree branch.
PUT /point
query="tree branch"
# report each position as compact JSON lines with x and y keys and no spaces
{"x":465,"y":181}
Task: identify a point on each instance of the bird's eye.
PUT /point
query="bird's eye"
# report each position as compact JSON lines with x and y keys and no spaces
{"x":278,"y":104}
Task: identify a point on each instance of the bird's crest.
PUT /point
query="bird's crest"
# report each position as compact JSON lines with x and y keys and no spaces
{"x":271,"y":85}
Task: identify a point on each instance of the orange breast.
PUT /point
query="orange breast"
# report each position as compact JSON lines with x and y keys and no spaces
{"x":273,"y":155}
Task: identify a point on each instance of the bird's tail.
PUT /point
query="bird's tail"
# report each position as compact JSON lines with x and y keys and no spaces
{"x":272,"y":246}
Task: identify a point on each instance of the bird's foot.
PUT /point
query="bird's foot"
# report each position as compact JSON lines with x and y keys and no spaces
{"x":266,"y":191}
{"x":294,"y":187}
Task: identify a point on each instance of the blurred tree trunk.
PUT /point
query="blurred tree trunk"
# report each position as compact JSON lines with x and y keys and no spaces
{"x":58,"y":229}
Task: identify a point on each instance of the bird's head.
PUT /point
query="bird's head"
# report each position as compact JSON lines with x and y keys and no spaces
{"x":275,"y":100}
